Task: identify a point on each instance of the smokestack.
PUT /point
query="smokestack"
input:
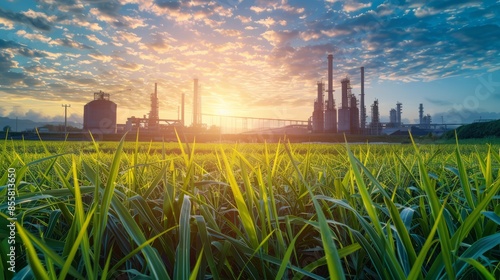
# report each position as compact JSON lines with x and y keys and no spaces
{"x":182,"y":109}
{"x":154,"y":113}
{"x":320,"y":93}
{"x":362,"y":105}
{"x":196,"y":105}
{"x":421,"y":113}
{"x":330,"y":82}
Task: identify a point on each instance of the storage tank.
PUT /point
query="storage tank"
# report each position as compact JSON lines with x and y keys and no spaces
{"x":99,"y":115}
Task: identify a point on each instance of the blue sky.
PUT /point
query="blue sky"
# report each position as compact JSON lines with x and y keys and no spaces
{"x":253,"y":58}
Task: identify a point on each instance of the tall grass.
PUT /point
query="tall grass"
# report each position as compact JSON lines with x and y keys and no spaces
{"x":266,"y":211}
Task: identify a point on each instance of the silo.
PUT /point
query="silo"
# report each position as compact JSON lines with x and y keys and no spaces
{"x":99,"y":115}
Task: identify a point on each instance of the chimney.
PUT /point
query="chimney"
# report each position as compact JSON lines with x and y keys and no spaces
{"x":330,"y":82}
{"x":362,"y":104}
{"x":182,"y":109}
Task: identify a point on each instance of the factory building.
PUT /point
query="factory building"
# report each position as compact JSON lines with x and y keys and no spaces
{"x":375,"y":125}
{"x":399,"y":112}
{"x":318,"y":117}
{"x":392,"y":117}
{"x":154,"y":115}
{"x":354,"y":115}
{"x":152,"y":123}
{"x":349,"y":116}
{"x":331,"y":112}
{"x":99,"y":115}
{"x":362,"y":104}
{"x":344,"y":117}
{"x":424,"y":121}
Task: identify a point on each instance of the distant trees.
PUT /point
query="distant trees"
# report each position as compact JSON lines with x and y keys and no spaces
{"x":7,"y":128}
{"x":476,"y":130}
{"x":60,"y":128}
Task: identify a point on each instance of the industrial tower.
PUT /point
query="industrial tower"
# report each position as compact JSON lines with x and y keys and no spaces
{"x":196,"y":105}
{"x":392,"y":117}
{"x":421,"y":113}
{"x":425,"y":121}
{"x":375,"y":125}
{"x":344,"y":113}
{"x":354,"y":111}
{"x":331,"y":112}
{"x":318,"y":118}
{"x":399,"y":112}
{"x":153,"y":113}
{"x":362,"y":108}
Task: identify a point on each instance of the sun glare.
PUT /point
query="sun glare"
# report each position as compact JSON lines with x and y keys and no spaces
{"x":223,"y":111}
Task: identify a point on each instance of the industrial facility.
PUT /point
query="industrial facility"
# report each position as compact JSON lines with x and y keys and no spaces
{"x":99,"y":115}
{"x":348,"y":119}
{"x":351,"y":118}
{"x":153,"y":123}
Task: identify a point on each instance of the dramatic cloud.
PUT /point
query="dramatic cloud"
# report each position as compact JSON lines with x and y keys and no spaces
{"x":260,"y":57}
{"x":36,"y":20}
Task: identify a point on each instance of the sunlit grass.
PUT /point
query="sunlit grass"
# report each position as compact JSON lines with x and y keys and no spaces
{"x":104,"y":210}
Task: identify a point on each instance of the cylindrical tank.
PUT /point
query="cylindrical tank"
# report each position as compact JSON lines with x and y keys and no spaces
{"x":99,"y":116}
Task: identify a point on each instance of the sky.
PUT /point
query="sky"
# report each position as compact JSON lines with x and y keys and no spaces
{"x":256,"y":58}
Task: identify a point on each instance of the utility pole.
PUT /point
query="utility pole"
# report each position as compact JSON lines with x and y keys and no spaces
{"x":66,"y":117}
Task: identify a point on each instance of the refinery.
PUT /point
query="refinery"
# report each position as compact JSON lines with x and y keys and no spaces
{"x":348,"y":117}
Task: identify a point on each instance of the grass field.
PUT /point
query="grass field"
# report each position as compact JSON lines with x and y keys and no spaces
{"x":251,"y":211}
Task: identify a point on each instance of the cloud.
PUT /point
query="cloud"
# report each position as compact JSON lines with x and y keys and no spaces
{"x":439,"y":102}
{"x":134,"y":22}
{"x":33,"y":36}
{"x":22,"y":50}
{"x":464,"y":116}
{"x":130,"y":66}
{"x":353,"y":6}
{"x":229,"y":32}
{"x":70,"y":43}
{"x":96,"y":40}
{"x":4,"y":44}
{"x":268,"y":22}
{"x":100,"y":57}
{"x":168,"y":4}
{"x":258,"y":10}
{"x":6,"y":62}
{"x":124,"y":36}
{"x":83,"y":22}
{"x":36,"y":20}
{"x":8,"y":78}
{"x":278,"y":38}
{"x":267,"y":48}
{"x":110,"y":8}
{"x":479,"y":37}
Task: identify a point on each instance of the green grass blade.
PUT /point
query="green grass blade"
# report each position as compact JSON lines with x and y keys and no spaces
{"x":246,"y":218}
{"x":35,"y":263}
{"x":288,"y":254}
{"x":153,"y":259}
{"x":332,"y":256}
{"x":401,"y":231}
{"x":204,"y":236}
{"x":477,"y":249}
{"x":196,"y":269}
{"x":85,"y":248}
{"x":182,"y":267}
{"x":443,"y":232}
{"x":480,"y":268}
{"x":416,"y":270}
{"x":135,"y":251}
